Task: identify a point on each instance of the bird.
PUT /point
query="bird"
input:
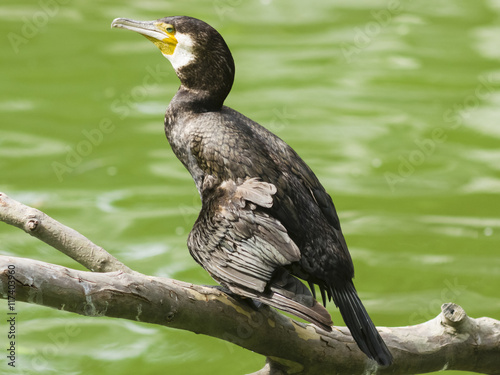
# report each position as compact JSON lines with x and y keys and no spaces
{"x":266,"y":226}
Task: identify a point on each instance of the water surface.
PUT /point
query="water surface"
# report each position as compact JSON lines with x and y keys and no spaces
{"x":395,"y":108}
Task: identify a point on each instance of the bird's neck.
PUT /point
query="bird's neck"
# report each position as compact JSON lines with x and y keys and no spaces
{"x":197,"y":100}
{"x":205,"y":84}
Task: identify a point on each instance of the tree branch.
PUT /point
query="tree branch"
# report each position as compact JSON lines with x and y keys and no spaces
{"x":59,"y":236}
{"x":451,"y":341}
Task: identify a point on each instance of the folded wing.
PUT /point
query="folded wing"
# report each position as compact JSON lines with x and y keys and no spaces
{"x":247,"y":251}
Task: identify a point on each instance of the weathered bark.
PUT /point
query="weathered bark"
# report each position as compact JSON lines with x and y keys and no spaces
{"x":451,"y":341}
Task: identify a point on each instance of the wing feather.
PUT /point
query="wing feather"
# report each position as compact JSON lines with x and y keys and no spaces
{"x":245,"y":249}
{"x":235,"y":240}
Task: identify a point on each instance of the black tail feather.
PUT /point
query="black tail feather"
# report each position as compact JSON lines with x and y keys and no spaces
{"x":313,"y":290}
{"x":323,"y":295}
{"x":359,"y":323}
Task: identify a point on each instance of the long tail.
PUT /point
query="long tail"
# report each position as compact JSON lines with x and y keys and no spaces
{"x":359,"y":323}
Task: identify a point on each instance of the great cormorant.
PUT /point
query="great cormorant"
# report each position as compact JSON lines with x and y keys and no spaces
{"x":265,"y":217}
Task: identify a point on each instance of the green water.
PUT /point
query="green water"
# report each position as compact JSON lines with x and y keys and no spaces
{"x":395,"y":109}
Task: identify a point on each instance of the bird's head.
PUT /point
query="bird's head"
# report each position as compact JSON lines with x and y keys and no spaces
{"x":198,"y":53}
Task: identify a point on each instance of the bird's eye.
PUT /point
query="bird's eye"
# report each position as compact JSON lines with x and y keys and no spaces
{"x":169,"y":29}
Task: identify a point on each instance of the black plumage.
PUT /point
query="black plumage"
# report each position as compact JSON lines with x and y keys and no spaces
{"x":265,"y":217}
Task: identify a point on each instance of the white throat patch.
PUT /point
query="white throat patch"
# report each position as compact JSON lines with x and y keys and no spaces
{"x":183,"y":53}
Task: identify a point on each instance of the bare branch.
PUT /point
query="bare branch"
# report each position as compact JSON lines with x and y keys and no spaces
{"x":59,"y":236}
{"x":451,"y":341}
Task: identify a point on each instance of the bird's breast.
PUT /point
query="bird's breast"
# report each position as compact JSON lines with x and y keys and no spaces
{"x":184,"y":137}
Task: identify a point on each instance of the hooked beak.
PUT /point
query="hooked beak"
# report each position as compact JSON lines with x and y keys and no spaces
{"x":160,"y":33}
{"x":147,"y":28}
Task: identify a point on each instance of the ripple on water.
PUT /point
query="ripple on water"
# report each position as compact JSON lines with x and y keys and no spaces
{"x":144,"y":250}
{"x":459,"y":226}
{"x":486,"y":185}
{"x":20,"y":145}
{"x":484,"y":120}
{"x":486,"y":157}
{"x":16,"y":105}
{"x":486,"y":39}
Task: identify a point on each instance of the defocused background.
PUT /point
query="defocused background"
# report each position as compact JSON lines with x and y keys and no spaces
{"x":394,"y":105}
